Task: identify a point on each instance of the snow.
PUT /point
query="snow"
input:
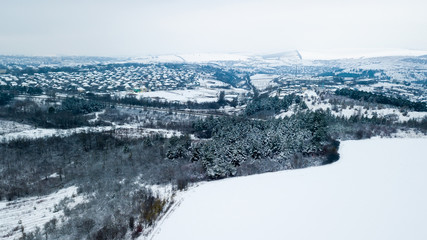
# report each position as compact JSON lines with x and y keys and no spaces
{"x":145,"y":132}
{"x":411,"y":133}
{"x":283,"y":58}
{"x":263,"y":81}
{"x":375,"y":191}
{"x":53,"y":175}
{"x":164,"y":192}
{"x":288,"y":113}
{"x":195,"y":95}
{"x":128,"y":130}
{"x":10,"y":127}
{"x":199,"y":95}
{"x":212,"y":83}
{"x":359,"y":110}
{"x":213,"y":57}
{"x":194,"y":58}
{"x":357,"y":53}
{"x":32,"y":134}
{"x":96,"y":114}
{"x":34,"y":212}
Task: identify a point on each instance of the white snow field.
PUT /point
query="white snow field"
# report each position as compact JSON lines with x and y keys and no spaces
{"x":263,"y":81}
{"x":33,"y":212}
{"x":377,"y":190}
{"x":129,"y":130}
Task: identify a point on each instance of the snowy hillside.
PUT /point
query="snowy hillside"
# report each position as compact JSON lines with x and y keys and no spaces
{"x":375,"y":191}
{"x":263,"y":81}
{"x":314,"y":103}
{"x":28,"y":214}
{"x":26,"y":132}
{"x":358,"y":53}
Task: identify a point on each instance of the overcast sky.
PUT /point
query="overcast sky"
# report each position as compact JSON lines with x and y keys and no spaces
{"x":132,"y":28}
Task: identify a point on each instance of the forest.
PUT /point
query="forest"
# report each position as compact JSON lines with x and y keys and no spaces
{"x":70,"y":113}
{"x":240,"y":146}
{"x":109,"y":168}
{"x":268,"y":106}
{"x":382,"y":99}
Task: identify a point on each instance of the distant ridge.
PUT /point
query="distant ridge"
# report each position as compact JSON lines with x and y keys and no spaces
{"x":334,"y":54}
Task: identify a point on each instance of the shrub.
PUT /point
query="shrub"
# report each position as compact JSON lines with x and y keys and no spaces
{"x":331,"y":152}
{"x":182,"y":183}
{"x":131,"y":222}
{"x":151,"y":209}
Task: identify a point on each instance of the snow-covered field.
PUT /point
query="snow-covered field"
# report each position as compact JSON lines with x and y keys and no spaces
{"x":128,"y":130}
{"x":199,"y":95}
{"x":377,"y":190}
{"x":33,"y":212}
{"x":194,"y":95}
{"x":263,"y":81}
{"x":311,"y":97}
{"x":10,"y":127}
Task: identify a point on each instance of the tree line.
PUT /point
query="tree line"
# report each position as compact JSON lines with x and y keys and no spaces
{"x":71,"y":113}
{"x":148,"y":102}
{"x":382,"y":99}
